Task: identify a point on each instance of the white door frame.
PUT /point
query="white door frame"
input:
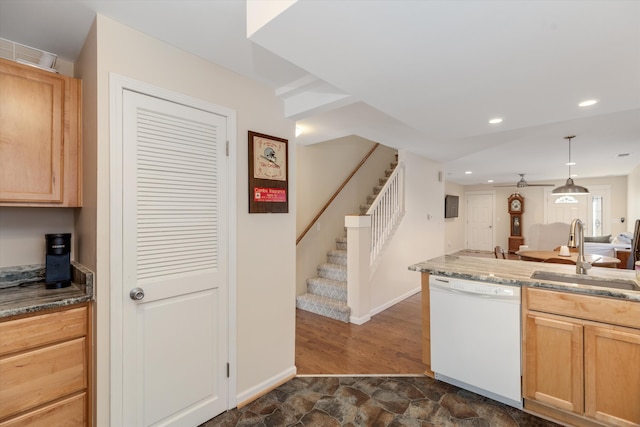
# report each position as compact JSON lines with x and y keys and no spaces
{"x":117,"y":84}
{"x":466,"y":213}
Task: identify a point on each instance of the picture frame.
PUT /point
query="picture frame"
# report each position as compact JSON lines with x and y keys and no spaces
{"x":268,"y":173}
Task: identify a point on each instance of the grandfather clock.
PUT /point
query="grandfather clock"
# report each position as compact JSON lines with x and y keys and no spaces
{"x":516,"y":209}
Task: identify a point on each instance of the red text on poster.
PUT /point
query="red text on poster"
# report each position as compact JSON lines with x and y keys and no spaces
{"x":269,"y":194}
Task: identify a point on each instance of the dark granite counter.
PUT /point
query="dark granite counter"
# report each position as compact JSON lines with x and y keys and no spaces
{"x":22,"y":289}
{"x":518,"y":273}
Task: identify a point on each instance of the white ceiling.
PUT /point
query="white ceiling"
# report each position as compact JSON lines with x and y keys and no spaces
{"x":422,"y":75}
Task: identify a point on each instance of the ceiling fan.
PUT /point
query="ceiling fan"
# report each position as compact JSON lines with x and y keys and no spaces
{"x":522,"y":183}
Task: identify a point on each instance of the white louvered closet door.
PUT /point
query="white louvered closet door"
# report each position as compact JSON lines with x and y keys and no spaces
{"x":175,"y":338}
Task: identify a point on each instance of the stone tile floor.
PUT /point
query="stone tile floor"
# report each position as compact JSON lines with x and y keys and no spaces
{"x":374,"y":401}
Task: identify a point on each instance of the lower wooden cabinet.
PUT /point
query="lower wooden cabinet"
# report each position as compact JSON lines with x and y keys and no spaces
{"x":426,"y":325}
{"x":45,"y":368}
{"x":67,"y":412}
{"x":579,"y":370}
{"x":612,"y":375}
{"x":554,"y":362}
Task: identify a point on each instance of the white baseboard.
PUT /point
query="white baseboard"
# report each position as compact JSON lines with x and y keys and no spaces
{"x":394,"y":301}
{"x":265,"y":387}
{"x":359,"y":320}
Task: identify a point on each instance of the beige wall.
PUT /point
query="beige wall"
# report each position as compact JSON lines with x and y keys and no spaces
{"x":419,"y":237}
{"x":265,"y":303}
{"x":322,"y":168}
{"x":454,"y":228}
{"x":534,"y":205}
{"x":633,"y":197}
{"x":22,"y":233}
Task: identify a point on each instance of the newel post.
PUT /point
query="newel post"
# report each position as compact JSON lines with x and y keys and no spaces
{"x":358,"y":262}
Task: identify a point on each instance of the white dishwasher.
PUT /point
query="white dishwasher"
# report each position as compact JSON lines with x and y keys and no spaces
{"x":475,"y":337}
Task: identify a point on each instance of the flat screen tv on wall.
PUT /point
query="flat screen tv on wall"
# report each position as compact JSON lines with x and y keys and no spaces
{"x":450,"y":206}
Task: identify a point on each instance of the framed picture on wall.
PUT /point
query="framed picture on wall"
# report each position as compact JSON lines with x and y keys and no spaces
{"x":268,"y":174}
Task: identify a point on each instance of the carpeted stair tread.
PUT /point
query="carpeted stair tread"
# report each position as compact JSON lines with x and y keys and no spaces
{"x":337,"y":256}
{"x":324,"y":306}
{"x":333,"y":271}
{"x":327,"y":288}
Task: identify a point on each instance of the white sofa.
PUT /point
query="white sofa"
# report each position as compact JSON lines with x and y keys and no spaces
{"x":547,"y":237}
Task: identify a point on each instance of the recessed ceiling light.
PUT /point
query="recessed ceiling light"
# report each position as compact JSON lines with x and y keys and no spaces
{"x":570,"y":164}
{"x":495,"y":121}
{"x":588,"y":103}
{"x":468,"y":173}
{"x":490,"y":180}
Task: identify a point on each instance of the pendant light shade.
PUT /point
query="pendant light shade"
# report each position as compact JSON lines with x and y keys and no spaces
{"x":569,"y":187}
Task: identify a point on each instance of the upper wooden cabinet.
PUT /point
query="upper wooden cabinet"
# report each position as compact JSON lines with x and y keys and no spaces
{"x":40,"y":137}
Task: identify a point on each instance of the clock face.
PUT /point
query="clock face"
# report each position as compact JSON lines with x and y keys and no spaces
{"x":516,"y":205}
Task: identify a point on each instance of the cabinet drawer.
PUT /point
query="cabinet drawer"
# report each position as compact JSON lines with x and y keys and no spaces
{"x":599,"y":309}
{"x":42,"y":375}
{"x":69,"y":412}
{"x":30,"y":332}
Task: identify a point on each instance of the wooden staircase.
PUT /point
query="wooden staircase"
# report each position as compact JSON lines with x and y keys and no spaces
{"x":327,"y":293}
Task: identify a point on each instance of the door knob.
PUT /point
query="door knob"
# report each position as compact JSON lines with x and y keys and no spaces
{"x":136,"y":294}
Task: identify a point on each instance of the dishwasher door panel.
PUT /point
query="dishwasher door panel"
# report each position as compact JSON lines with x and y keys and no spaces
{"x":475,"y":339}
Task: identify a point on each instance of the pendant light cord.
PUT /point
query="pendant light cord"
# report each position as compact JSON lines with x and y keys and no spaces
{"x":569,"y":157}
{"x":569,"y":164}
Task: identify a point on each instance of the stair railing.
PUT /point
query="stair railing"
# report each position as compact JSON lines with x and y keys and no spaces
{"x":344,"y":183}
{"x":386,"y":211}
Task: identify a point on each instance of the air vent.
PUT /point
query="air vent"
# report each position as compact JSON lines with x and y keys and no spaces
{"x":26,"y":54}
{"x":623,"y":154}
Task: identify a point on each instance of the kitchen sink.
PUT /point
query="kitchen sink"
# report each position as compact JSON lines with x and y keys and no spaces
{"x":629,"y":285}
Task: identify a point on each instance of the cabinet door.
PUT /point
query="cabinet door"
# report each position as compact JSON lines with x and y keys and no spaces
{"x":31,"y":135}
{"x":612,"y":375}
{"x":554,"y":362}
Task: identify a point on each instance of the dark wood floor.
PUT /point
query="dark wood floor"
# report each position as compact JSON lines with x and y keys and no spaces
{"x":389,"y":343}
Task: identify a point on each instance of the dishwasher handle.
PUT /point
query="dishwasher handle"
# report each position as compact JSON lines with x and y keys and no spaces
{"x":475,"y":288}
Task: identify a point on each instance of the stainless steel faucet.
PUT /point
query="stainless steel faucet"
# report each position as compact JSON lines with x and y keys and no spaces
{"x":581,"y":264}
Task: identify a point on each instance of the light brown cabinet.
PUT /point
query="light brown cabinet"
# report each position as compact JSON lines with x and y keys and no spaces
{"x":426,"y":325}
{"x":45,"y":368}
{"x":40,"y":137}
{"x":577,"y":368}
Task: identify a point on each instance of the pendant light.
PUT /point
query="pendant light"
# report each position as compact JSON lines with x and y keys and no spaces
{"x":569,"y":187}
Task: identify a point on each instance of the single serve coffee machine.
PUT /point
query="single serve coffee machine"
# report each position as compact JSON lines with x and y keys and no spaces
{"x":58,"y":261}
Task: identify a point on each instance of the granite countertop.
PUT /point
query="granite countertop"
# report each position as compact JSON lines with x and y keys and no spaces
{"x":22,"y":289}
{"x":518,"y":273}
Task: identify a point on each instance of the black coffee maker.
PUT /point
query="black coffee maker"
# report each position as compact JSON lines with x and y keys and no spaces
{"x":58,"y":260}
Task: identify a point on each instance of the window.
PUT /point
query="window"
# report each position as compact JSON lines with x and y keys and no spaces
{"x":596,"y":215}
